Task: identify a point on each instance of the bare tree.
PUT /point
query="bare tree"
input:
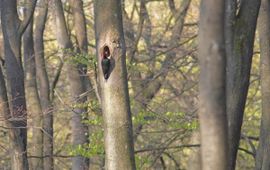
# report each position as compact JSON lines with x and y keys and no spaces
{"x":148,"y":87}
{"x":44,"y":86}
{"x":112,"y":76}
{"x":76,"y":75}
{"x":13,"y":29}
{"x":240,"y":26}
{"x":212,"y":105}
{"x":32,"y":97}
{"x":263,"y":152}
{"x":79,"y":24}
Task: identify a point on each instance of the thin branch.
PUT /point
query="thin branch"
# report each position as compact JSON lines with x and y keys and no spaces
{"x":247,"y":151}
{"x":56,"y":78}
{"x":166,"y":148}
{"x":250,"y":143}
{"x":46,"y":156}
{"x":143,"y":13}
{"x":28,"y":18}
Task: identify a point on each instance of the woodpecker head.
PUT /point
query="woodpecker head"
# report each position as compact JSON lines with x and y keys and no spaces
{"x":105,"y":62}
{"x":106,"y":52}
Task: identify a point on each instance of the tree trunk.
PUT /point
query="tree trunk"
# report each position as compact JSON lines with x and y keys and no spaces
{"x":44,"y":93}
{"x":240,"y":32}
{"x":263,"y":152}
{"x":212,"y":105}
{"x":79,"y":24}
{"x":114,"y":90}
{"x":75,"y":75}
{"x":15,"y":140}
{"x":82,"y":43}
{"x":13,"y":29}
{"x":32,"y":98}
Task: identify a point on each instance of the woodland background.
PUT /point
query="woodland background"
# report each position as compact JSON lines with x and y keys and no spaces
{"x":53,"y":58}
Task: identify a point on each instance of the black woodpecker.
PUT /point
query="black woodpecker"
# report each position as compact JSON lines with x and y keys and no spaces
{"x":106,"y":63}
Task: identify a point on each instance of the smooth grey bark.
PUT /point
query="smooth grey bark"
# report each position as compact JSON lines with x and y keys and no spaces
{"x":4,"y":105}
{"x":13,"y":29}
{"x":15,"y":140}
{"x":240,"y":32}
{"x":44,"y":86}
{"x":82,"y":42}
{"x":263,"y":153}
{"x":76,"y":75}
{"x":79,"y":24}
{"x":89,"y":80}
{"x":114,"y":91}
{"x":212,"y":98}
{"x":32,"y":97}
{"x":80,"y":75}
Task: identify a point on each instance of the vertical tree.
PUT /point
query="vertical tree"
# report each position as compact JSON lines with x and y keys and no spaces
{"x":76,"y":74}
{"x":113,"y":86}
{"x":13,"y":29}
{"x":4,"y":109}
{"x":263,"y":152}
{"x":80,"y":75}
{"x":79,"y":24}
{"x":212,"y":101}
{"x":32,"y":97}
{"x":239,"y":32}
{"x":44,"y":86}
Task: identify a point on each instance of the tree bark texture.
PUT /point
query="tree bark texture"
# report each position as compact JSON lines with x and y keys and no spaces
{"x":82,"y":43}
{"x":79,"y":24}
{"x":240,"y":32}
{"x":114,"y":90}
{"x":44,"y":87}
{"x":212,"y":101}
{"x":13,"y":29}
{"x":263,"y":152}
{"x":76,"y":75}
{"x":32,"y":97}
{"x":15,"y":140}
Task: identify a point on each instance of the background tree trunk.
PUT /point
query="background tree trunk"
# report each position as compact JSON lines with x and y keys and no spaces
{"x":32,"y":97}
{"x":240,"y":32}
{"x":44,"y":87}
{"x":82,"y":46}
{"x":212,"y":105}
{"x":263,"y":152}
{"x":13,"y":29}
{"x":15,"y":140}
{"x":76,"y":75}
{"x":79,"y":24}
{"x":114,"y":91}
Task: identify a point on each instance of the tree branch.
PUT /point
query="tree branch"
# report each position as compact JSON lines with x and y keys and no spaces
{"x":28,"y":17}
{"x":247,"y":151}
{"x":56,"y":78}
{"x":166,"y":148}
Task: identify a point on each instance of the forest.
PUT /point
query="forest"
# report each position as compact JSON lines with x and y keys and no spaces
{"x":134,"y":84}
